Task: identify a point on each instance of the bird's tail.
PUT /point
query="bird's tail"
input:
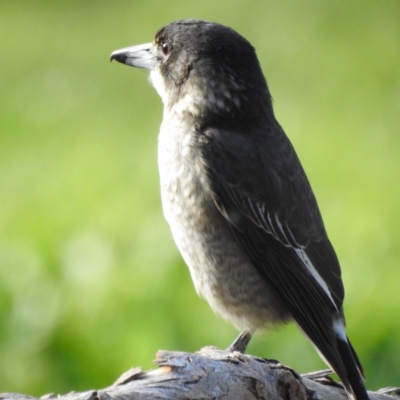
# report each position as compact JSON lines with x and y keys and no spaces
{"x":351,"y":373}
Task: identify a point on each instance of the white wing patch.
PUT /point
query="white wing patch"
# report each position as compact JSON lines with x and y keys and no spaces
{"x":296,"y":244}
{"x":281,"y":229}
{"x":266,"y":220}
{"x":272,"y":225}
{"x":314,"y":273}
{"x":340,"y":328}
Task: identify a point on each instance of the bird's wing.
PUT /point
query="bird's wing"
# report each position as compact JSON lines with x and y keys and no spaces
{"x":259,"y":186}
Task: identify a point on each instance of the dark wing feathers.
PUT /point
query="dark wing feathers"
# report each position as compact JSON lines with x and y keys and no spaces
{"x":263,"y":192}
{"x":266,"y":184}
{"x":295,"y":291}
{"x":273,"y":162}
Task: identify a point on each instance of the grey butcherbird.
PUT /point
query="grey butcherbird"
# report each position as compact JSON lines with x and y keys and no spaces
{"x":238,"y":202}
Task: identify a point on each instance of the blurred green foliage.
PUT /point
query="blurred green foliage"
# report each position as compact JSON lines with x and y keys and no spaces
{"x":90,"y":280}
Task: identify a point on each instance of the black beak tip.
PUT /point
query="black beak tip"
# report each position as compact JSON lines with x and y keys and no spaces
{"x":118,"y":57}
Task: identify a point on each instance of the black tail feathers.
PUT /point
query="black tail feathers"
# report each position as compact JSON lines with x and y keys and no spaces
{"x":353,"y":380}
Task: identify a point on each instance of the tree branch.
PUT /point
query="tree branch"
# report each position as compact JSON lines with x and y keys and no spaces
{"x":217,"y":374}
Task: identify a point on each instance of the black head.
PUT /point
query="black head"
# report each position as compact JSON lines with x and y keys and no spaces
{"x":206,"y":70}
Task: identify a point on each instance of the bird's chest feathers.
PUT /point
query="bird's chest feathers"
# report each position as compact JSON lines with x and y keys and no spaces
{"x":184,"y":184}
{"x":186,"y":196}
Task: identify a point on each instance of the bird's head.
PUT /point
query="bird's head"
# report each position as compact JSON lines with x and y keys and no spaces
{"x":206,"y":70}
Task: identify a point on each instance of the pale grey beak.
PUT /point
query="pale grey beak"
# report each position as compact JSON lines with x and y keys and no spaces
{"x":140,"y":56}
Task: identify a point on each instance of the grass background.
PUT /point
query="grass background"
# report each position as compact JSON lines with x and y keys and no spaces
{"x":90,"y":280}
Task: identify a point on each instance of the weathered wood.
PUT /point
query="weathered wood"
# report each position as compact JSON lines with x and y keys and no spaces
{"x":217,"y":374}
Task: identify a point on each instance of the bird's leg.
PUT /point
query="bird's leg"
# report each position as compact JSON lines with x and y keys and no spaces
{"x":241,"y":342}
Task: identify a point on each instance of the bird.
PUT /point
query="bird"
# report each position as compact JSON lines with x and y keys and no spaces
{"x":238,"y":202}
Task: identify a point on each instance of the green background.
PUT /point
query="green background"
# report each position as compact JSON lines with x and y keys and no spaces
{"x":90,"y":280}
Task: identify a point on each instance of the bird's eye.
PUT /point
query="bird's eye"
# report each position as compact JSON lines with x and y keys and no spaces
{"x":165,"y":48}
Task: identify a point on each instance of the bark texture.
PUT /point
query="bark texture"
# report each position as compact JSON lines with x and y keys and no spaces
{"x":217,"y":374}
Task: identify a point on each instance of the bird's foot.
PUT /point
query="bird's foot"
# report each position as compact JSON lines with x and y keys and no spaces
{"x":241,"y":342}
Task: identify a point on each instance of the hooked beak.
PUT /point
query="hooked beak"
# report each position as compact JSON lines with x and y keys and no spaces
{"x":140,"y":56}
